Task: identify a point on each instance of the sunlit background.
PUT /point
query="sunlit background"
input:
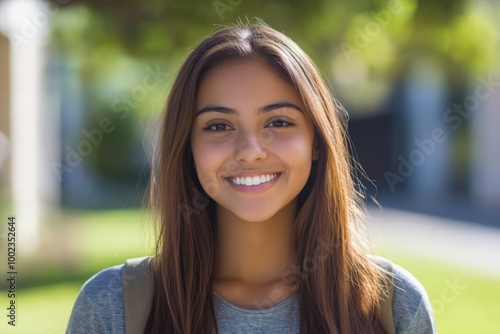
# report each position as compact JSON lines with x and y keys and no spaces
{"x":82,"y":83}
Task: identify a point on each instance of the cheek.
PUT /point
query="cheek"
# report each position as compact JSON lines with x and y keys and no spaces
{"x":208,"y":160}
{"x":204,"y":158}
{"x":295,"y":150}
{"x":206,"y":148}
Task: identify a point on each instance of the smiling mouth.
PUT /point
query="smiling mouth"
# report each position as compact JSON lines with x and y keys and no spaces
{"x":253,"y":180}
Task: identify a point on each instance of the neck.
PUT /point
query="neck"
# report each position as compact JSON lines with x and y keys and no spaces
{"x":254,"y":253}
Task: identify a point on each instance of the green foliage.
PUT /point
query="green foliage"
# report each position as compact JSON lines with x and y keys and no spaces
{"x":158,"y":29}
{"x":363,"y":47}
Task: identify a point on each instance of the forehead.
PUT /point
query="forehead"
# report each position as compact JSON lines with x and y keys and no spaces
{"x":241,"y":82}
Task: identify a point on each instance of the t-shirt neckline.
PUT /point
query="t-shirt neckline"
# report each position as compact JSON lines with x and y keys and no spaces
{"x":274,"y":308}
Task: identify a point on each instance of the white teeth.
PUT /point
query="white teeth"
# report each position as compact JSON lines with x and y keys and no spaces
{"x":253,"y":180}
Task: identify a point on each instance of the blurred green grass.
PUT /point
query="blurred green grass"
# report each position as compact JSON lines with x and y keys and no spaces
{"x":463,"y":301}
{"x":73,"y":247}
{"x":79,"y":244}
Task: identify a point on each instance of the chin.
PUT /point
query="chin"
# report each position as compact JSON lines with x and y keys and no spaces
{"x":252,"y":217}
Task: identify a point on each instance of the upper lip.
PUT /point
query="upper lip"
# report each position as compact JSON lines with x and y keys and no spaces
{"x":252,"y":173}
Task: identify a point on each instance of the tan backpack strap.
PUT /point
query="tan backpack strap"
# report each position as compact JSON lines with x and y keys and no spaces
{"x":136,"y":287}
{"x":387,"y":318}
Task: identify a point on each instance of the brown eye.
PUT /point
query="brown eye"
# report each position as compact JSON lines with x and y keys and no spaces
{"x":218,"y":127}
{"x":281,"y":123}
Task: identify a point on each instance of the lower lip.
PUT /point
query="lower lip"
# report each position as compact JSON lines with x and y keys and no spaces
{"x":253,"y":189}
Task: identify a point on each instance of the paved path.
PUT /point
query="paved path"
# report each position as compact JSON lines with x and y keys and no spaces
{"x":467,"y":245}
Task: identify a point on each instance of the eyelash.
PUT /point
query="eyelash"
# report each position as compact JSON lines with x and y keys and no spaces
{"x":215,"y":123}
{"x":289,"y":123}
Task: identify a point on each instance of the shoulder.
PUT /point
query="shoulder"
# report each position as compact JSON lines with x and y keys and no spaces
{"x":105,"y":287}
{"x":99,"y":305}
{"x":411,"y":307}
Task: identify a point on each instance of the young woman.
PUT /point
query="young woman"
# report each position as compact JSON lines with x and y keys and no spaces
{"x":258,"y":213}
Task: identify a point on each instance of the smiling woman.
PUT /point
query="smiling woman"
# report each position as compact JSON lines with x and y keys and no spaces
{"x":254,"y":150}
{"x":257,"y":211}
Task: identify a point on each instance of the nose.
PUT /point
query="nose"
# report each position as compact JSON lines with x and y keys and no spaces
{"x":250,"y":149}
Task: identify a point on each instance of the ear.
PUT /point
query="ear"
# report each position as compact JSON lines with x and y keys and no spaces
{"x":315,"y":152}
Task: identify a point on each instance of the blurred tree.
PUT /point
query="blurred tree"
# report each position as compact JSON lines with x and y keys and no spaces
{"x":364,"y":47}
{"x":377,"y":37}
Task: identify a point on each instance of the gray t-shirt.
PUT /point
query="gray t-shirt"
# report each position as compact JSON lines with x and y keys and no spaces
{"x":99,"y":309}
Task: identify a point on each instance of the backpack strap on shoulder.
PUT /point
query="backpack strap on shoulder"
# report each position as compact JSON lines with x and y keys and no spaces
{"x":387,"y":318}
{"x":136,"y":287}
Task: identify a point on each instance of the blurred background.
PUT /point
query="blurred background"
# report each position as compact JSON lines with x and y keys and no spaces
{"x":83,"y":82}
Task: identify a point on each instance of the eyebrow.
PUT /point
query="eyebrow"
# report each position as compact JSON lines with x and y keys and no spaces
{"x":262,"y":110}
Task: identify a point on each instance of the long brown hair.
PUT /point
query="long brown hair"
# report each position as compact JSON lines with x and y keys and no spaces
{"x":338,"y":286}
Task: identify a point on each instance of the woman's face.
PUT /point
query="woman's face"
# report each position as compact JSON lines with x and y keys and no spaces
{"x":252,"y":140}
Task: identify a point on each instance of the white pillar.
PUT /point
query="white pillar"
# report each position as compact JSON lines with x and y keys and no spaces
{"x":5,"y":184}
{"x":34,"y":127}
{"x":426,"y":102}
{"x":485,"y":137}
